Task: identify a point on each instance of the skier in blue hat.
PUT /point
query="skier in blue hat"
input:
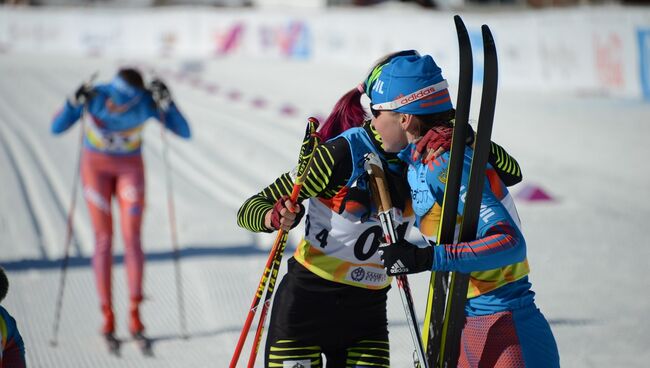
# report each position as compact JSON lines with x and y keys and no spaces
{"x":504,"y":327}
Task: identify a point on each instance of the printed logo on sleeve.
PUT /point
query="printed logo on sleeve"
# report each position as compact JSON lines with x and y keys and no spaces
{"x":296,"y":364}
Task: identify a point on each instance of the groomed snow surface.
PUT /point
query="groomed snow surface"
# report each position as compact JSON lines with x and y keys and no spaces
{"x":587,"y":247}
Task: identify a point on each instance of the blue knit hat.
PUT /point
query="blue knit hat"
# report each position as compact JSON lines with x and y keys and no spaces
{"x":122,"y":92}
{"x":410,"y":84}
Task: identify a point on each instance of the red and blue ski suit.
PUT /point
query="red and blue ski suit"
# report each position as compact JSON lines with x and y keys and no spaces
{"x":504,"y":328}
{"x":12,"y":349}
{"x":111,"y":165}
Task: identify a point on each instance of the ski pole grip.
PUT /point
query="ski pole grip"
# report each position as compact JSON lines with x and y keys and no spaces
{"x":374,"y":191}
{"x":382,"y":187}
{"x":309,"y":145}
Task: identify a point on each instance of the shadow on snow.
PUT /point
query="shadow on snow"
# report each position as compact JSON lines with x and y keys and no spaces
{"x":156,"y":256}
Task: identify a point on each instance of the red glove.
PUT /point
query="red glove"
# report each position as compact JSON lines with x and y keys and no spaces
{"x":285,"y":217}
{"x":433,"y":144}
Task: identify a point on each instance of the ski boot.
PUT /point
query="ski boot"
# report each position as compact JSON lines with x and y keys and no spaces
{"x":137,"y":331}
{"x":108,"y":331}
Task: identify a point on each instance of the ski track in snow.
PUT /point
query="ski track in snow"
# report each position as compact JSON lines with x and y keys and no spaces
{"x":36,"y":168}
{"x":22,"y":189}
{"x":587,"y":248}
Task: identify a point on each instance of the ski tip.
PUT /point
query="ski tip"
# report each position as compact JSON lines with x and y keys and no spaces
{"x":460,"y":25}
{"x":487,"y":34}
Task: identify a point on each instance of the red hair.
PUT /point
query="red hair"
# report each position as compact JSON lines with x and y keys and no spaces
{"x":347,"y":113}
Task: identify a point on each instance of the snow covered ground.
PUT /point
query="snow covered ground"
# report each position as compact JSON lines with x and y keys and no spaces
{"x":588,"y":247}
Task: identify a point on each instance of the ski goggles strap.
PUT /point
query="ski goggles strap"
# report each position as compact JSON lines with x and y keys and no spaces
{"x":417,"y":95}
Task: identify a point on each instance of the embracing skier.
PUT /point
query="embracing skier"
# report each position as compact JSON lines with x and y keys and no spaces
{"x":503,"y":326}
{"x":111,"y":166}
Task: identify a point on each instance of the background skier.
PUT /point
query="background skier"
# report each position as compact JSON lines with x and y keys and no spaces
{"x":112,"y":165}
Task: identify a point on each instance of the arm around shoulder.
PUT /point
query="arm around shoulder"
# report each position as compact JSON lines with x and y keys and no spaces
{"x":505,"y":165}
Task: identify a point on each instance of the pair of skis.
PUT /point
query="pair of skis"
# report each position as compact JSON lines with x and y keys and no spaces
{"x":309,"y":145}
{"x":445,"y":310}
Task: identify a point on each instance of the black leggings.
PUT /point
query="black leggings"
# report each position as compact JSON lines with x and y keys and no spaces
{"x":312,"y":317}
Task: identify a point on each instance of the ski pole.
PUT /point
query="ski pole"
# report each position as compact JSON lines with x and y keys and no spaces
{"x":278,"y":257}
{"x":171,"y":210}
{"x":66,"y":251}
{"x":267,"y":298}
{"x":256,"y":300}
{"x":69,"y":226}
{"x":275,"y":255}
{"x":381,"y":196}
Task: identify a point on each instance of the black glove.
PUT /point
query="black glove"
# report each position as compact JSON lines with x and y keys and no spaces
{"x":402,"y":258}
{"x":82,"y":95}
{"x":160,"y":94}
